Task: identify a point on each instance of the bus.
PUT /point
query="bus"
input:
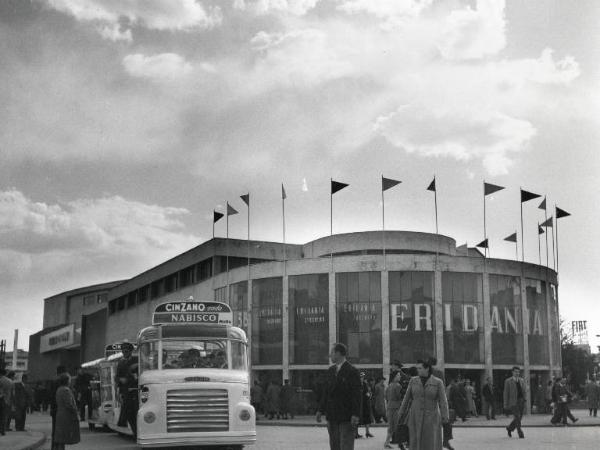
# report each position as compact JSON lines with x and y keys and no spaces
{"x":194,"y":378}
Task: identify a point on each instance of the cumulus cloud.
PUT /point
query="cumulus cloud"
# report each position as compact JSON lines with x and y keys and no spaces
{"x":113,"y":32}
{"x":294,"y":7}
{"x":463,"y":134}
{"x":164,"y":66}
{"x":152,"y":14}
{"x":384,"y":9}
{"x":108,"y":226}
{"x":474,"y":33}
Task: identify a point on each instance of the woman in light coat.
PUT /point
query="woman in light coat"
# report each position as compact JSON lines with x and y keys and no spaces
{"x":426,"y":398}
{"x":67,"y":418}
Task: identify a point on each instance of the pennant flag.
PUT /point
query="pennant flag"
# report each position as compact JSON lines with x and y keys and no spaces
{"x":337,"y":186}
{"x":489,"y":188}
{"x":540,"y":229}
{"x":547,"y":223}
{"x":431,"y":186}
{"x":230,"y":210}
{"x":388,"y":183}
{"x":283,"y":194}
{"x":217,"y":216}
{"x":561,"y":213}
{"x":246,"y":199}
{"x":483,"y":244}
{"x":543,"y":204}
{"x":511,"y":238}
{"x":526,"y":196}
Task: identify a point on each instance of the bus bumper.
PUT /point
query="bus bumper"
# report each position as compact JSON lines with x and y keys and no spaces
{"x":172,"y":440}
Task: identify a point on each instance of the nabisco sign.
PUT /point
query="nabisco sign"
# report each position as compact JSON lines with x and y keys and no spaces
{"x":466,"y":318}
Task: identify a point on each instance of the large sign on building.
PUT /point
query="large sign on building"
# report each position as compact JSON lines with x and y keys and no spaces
{"x":63,"y":337}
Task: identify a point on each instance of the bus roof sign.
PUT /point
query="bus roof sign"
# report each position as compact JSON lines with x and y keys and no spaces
{"x":192,"y":313}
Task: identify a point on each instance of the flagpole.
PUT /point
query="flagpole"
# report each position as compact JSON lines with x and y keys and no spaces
{"x":283,"y":224}
{"x":213,"y":226}
{"x":484,"y":224}
{"x":227,"y":250}
{"x":546,"y":230}
{"x":539,"y":243}
{"x":436,"y":207}
{"x":331,"y":221}
{"x":383,"y":221}
{"x":522,"y":233}
{"x":556,"y":225}
{"x":248,"y":237}
{"x":516,"y":250}
{"x":553,"y":257}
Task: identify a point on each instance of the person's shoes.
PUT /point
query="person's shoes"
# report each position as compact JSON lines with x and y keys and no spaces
{"x":575,"y":419}
{"x":357,"y":436}
{"x":369,"y":435}
{"x":521,"y":435}
{"x":388,"y":446}
{"x":447,"y":445}
{"x":509,"y":431}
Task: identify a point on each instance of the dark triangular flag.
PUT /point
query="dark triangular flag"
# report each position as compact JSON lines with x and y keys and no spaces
{"x":511,"y":238}
{"x":388,"y":183}
{"x":246,"y":199}
{"x":543,"y":204}
{"x":431,"y":186}
{"x":547,"y":223}
{"x":283,"y":194}
{"x":489,"y":188}
{"x":526,"y":196}
{"x":540,"y":229}
{"x":217,"y":216}
{"x":483,"y":244}
{"x":230,"y":210}
{"x":337,"y":186}
{"x":561,"y":213}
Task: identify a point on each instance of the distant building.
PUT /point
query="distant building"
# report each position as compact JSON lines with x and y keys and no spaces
{"x":22,"y":361}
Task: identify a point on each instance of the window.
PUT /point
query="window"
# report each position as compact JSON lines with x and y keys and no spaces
{"x":89,"y":300}
{"x":155,"y":289}
{"x":309,"y":318}
{"x":358,"y":301}
{"x":221,"y":294}
{"x":539,"y":353}
{"x":102,"y":298}
{"x":462,"y":297}
{"x":131,"y":299}
{"x":171,"y":283}
{"x":112,"y":306}
{"x":186,"y":276}
{"x":506,"y":319}
{"x":143,"y":294}
{"x":121,"y":303}
{"x":204,"y":269}
{"x":238,"y":300}
{"x":267,"y":325}
{"x":412,"y":317}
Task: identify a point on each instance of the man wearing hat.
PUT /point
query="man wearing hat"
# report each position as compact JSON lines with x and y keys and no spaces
{"x":127,"y":383}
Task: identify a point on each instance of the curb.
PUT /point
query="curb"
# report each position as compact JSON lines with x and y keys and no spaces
{"x":499,"y":426}
{"x":36,"y":444}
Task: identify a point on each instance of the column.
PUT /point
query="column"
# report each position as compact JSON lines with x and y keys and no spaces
{"x":525,"y":331}
{"x":385,"y":320}
{"x":285,"y":325}
{"x":487,"y":324}
{"x":439,"y":319}
{"x":332,"y":310}
{"x":549,"y":328}
{"x":250,"y":330}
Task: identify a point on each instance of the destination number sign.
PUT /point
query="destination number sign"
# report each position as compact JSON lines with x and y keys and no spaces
{"x":193,"y":313}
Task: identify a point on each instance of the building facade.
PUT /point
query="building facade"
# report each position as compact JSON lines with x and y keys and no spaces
{"x":394,"y":296}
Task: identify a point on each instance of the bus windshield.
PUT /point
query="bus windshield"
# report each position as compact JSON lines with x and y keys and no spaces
{"x":193,"y":354}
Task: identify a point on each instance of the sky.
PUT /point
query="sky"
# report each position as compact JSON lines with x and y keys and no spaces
{"x":124,"y":123}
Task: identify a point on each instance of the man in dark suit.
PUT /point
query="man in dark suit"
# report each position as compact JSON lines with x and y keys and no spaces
{"x":340,"y":401}
{"x":488,"y":393}
{"x":514,"y":401}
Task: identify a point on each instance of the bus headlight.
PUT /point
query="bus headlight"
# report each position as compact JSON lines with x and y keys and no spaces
{"x":245,"y":415}
{"x":149,"y":417}
{"x":144,"y":394}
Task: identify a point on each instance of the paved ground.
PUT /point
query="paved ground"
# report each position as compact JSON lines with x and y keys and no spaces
{"x":315,"y":438}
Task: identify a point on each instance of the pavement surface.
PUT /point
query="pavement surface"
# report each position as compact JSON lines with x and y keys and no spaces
{"x":304,"y":432}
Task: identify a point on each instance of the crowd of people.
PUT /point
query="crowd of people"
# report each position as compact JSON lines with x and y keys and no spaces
{"x":273,"y":400}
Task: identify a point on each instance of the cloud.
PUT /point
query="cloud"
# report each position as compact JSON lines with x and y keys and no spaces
{"x":113,"y":32}
{"x":259,"y":7}
{"x":384,"y":9}
{"x":165,"y":66}
{"x":463,"y":134}
{"x":474,"y":33}
{"x":104,"y":226}
{"x":173,"y":15}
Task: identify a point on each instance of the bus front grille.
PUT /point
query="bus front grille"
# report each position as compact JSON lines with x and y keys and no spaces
{"x":197,"y":410}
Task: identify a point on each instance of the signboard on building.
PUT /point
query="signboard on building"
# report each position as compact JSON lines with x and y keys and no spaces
{"x":61,"y":338}
{"x":112,"y":349}
{"x":193,"y":313}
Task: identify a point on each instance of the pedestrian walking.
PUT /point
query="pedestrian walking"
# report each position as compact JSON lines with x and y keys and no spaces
{"x":10,"y":410}
{"x":487,"y":402}
{"x":366,"y":417}
{"x":256,"y":398}
{"x":514,"y":401}
{"x":83,"y":393}
{"x":5,"y":399}
{"x":470,"y":394}
{"x":127,"y":382}
{"x":561,"y":396}
{"x":21,"y":401}
{"x":592,"y":393}
{"x":427,"y":404}
{"x":53,"y":387}
{"x":458,"y":399}
{"x":286,"y":399}
{"x":340,"y":401}
{"x":273,"y":400}
{"x":67,"y":420}
{"x":379,"y":401}
{"x":393,"y":397}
